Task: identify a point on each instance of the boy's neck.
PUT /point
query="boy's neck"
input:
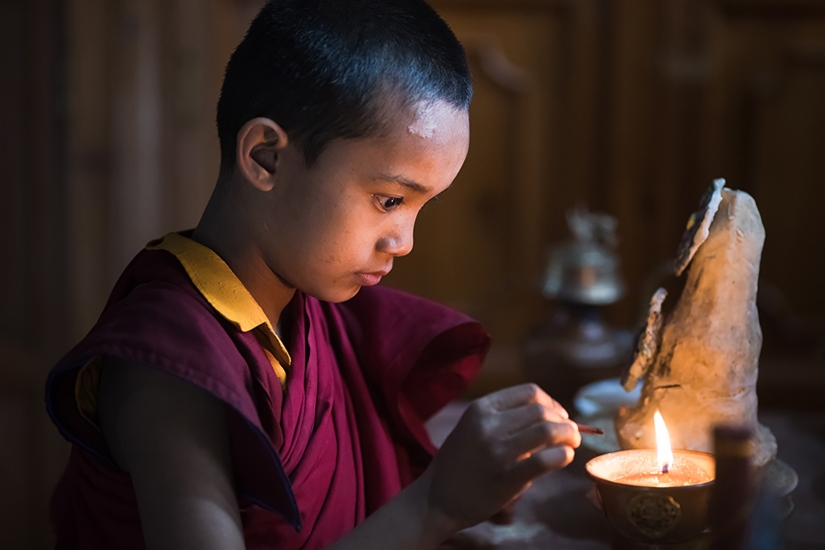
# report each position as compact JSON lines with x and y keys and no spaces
{"x":224,"y":233}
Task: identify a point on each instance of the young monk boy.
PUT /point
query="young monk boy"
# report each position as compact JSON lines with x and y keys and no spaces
{"x":247,"y":384}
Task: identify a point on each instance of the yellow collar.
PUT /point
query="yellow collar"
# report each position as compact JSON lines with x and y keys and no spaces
{"x":217,"y":283}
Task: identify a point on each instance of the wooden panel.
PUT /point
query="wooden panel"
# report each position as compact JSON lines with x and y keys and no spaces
{"x":768,"y":138}
{"x":694,"y":95}
{"x":135,"y":194}
{"x":197,"y":41}
{"x":13,"y":206}
{"x":33,"y":286}
{"x":31,"y":159}
{"x":90,"y":24}
{"x":481,"y":249}
{"x":787,"y":177}
{"x":15,"y":471}
{"x":145,"y":78}
{"x":464,"y":250}
{"x":32,"y":454}
{"x":635,"y":193}
{"x":772,"y":9}
{"x":725,"y":88}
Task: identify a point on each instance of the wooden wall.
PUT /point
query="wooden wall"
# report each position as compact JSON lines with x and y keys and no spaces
{"x":143,"y":154}
{"x":33,"y":291}
{"x":536,"y":124}
{"x":630,"y":106}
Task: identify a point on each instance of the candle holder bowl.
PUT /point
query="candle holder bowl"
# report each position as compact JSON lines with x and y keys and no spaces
{"x":651,"y":514}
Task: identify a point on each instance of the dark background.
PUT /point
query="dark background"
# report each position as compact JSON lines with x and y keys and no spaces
{"x":628,"y":106}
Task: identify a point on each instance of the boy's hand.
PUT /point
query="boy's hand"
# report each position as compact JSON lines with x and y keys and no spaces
{"x":502,"y":442}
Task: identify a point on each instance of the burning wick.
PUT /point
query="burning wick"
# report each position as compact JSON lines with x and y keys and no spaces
{"x":664,"y":453}
{"x":589,"y":429}
{"x":649,"y":468}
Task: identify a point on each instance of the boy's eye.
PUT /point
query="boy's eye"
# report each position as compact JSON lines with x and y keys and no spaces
{"x":388,"y":203}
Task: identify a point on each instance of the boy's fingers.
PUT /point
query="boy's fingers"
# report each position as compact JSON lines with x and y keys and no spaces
{"x":522,"y":394}
{"x":554,"y":405}
{"x":520,"y":418}
{"x":543,"y":434}
{"x":543,"y":461}
{"x":513,"y":396}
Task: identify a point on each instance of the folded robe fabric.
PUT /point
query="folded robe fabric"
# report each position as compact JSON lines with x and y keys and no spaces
{"x":312,"y":459}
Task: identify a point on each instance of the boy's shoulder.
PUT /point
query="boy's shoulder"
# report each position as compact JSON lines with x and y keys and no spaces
{"x":159,"y":316}
{"x":156,"y":318}
{"x":154,"y":305}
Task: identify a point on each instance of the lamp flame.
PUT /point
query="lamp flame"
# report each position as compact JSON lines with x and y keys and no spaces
{"x":663,"y":450}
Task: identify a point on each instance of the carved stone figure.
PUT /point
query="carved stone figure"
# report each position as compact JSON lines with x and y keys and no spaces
{"x":700,"y":368}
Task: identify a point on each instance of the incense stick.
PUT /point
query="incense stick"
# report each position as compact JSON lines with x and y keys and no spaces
{"x":589,"y":429}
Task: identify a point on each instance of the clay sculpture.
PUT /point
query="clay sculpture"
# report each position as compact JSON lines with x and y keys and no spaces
{"x":700,"y":363}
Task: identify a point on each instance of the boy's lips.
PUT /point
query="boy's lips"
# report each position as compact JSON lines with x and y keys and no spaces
{"x":372,"y":278}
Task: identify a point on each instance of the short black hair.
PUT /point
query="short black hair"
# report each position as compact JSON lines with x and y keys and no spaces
{"x":322,"y":68}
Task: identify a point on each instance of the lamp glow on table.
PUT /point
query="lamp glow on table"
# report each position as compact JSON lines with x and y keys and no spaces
{"x":657,"y":495}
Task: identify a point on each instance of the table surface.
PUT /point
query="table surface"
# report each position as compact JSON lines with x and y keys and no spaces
{"x":556,"y":513}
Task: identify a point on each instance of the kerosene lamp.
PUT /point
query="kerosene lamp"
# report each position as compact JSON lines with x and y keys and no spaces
{"x":575,"y":347}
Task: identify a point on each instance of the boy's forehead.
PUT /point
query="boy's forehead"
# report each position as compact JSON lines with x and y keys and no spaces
{"x":436,"y":120}
{"x":424,"y":122}
{"x":422,"y":142}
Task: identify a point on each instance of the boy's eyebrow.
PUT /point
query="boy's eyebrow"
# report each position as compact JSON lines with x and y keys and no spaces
{"x":408,"y":183}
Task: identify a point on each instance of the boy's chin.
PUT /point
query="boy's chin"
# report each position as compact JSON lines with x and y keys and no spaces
{"x":337,"y":295}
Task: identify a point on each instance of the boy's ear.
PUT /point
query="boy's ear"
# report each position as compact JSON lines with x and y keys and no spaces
{"x":260,"y":143}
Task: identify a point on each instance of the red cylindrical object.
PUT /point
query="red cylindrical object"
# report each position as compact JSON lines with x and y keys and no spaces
{"x":733,"y":492}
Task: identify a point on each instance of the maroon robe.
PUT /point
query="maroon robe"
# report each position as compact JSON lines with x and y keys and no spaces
{"x":311,"y":461}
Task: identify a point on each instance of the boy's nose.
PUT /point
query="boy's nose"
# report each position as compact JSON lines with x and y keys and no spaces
{"x":400,"y":243}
